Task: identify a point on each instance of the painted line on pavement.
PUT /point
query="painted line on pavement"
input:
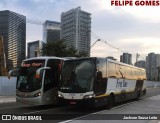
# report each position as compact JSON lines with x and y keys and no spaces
{"x":6,"y":101}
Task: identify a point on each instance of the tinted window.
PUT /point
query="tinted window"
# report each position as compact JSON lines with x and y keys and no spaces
{"x":52,"y":75}
{"x":100,"y":85}
{"x":26,"y":80}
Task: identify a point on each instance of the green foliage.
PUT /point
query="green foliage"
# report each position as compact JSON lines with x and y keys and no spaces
{"x":54,"y":49}
{"x":82,"y":54}
{"x":59,"y":49}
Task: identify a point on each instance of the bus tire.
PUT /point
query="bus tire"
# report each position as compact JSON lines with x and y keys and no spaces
{"x":110,"y":101}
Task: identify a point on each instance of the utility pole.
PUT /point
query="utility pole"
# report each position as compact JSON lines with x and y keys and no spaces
{"x":95,"y":43}
{"x":137,"y":56}
{"x":3,"y":68}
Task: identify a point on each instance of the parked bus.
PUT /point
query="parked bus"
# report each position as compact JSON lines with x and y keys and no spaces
{"x":38,"y":80}
{"x":100,"y":81}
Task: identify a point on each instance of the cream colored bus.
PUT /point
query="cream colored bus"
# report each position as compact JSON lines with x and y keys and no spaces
{"x":100,"y":81}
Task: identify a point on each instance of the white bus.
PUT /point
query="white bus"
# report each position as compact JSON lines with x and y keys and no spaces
{"x":38,"y":80}
{"x":100,"y":81}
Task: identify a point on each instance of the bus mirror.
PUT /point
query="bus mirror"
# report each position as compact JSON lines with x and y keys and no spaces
{"x":10,"y":73}
{"x":38,"y":72}
{"x":99,"y":75}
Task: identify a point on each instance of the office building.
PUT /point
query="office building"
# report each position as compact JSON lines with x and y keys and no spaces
{"x":51,"y":31}
{"x":76,"y":29}
{"x":126,"y":58}
{"x":35,"y":49}
{"x":13,"y":30}
{"x":152,"y":66}
{"x":141,"y":64}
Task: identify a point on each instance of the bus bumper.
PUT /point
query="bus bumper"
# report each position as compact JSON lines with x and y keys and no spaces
{"x":83,"y":102}
{"x":30,"y":101}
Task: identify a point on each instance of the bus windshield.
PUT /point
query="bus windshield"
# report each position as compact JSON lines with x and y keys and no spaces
{"x":26,"y":81}
{"x":77,"y":76}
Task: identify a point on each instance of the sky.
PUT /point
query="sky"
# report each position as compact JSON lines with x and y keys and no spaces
{"x":130,"y":29}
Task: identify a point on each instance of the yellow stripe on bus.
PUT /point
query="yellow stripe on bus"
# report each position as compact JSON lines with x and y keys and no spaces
{"x":104,"y":95}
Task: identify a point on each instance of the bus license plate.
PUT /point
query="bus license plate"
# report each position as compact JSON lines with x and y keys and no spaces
{"x":73,"y":103}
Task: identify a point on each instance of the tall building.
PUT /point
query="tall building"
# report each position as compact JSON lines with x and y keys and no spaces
{"x":126,"y":58}
{"x":157,"y":67}
{"x":13,"y":30}
{"x":35,"y":49}
{"x":152,"y":65}
{"x":76,"y":29}
{"x":141,"y":64}
{"x":51,"y":31}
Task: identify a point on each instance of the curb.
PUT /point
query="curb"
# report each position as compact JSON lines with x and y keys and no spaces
{"x":5,"y":100}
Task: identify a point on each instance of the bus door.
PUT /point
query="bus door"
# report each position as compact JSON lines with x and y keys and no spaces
{"x":101,"y":81}
{"x":51,"y":81}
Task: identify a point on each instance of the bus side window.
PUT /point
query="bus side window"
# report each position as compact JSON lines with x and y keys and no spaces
{"x":133,"y":74}
{"x":129,"y":72}
{"x":101,"y":77}
{"x":136,"y":74}
{"x":118,"y":74}
{"x":124,"y":68}
{"x":111,"y":69}
{"x":122,"y":71}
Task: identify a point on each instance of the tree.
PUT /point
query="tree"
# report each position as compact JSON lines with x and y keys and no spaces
{"x":82,"y":54}
{"x":71,"y":52}
{"x":59,"y":49}
{"x":55,"y":49}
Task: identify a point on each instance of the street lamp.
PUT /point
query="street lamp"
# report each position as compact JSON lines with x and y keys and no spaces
{"x":95,"y":43}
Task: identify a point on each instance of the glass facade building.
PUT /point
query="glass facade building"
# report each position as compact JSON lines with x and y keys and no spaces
{"x":141,"y":64}
{"x":51,"y":31}
{"x":13,"y":30}
{"x":35,"y":48}
{"x":153,"y":66}
{"x":126,"y":58}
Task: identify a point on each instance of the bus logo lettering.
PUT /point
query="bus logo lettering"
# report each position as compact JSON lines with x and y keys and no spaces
{"x":121,"y":84}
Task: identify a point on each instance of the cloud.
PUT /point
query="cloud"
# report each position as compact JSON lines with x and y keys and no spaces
{"x":127,"y":32}
{"x":145,"y":13}
{"x":132,"y":29}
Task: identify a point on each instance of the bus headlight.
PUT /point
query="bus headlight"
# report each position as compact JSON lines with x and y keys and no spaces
{"x":89,"y":96}
{"x":60,"y":96}
{"x":37,"y":94}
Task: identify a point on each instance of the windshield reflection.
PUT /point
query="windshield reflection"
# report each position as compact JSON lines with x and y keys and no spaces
{"x":77,"y":76}
{"x":26,"y":81}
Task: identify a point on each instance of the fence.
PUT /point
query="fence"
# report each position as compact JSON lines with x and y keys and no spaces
{"x":8,"y":86}
{"x":152,"y":84}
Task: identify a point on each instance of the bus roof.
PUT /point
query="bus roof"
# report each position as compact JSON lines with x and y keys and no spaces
{"x":121,"y":63}
{"x":46,"y":57}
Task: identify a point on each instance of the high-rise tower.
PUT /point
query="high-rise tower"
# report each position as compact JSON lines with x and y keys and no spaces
{"x":13,"y":30}
{"x":76,"y":29}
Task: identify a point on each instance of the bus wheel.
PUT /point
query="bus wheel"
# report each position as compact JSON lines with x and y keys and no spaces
{"x":110,"y":101}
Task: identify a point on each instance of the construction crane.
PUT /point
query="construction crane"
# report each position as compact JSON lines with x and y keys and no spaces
{"x":3,"y":68}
